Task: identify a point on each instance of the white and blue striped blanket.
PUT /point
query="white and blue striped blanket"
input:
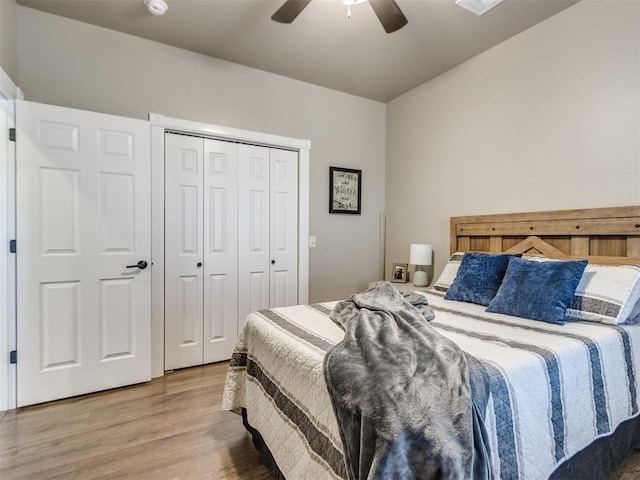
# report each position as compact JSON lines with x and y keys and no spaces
{"x":554,"y":389}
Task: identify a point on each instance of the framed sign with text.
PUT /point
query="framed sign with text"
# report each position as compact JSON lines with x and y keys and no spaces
{"x":345,"y":190}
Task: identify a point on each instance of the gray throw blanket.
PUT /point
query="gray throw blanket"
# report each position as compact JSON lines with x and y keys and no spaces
{"x":401,"y":392}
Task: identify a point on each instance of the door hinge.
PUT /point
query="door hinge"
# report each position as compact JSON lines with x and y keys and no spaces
{"x":13,"y":356}
{"x":12,"y":246}
{"x":12,"y":134}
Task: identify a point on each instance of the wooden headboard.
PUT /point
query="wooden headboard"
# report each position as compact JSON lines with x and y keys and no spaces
{"x":609,"y":236}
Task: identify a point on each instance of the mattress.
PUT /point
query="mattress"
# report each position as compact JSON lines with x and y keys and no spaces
{"x":554,"y":388}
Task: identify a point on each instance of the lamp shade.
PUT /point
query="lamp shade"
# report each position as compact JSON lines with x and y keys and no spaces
{"x":420,"y":254}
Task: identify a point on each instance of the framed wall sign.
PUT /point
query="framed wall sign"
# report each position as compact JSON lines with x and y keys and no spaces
{"x":345,"y":190}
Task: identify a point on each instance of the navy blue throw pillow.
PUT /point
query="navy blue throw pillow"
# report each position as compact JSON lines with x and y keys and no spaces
{"x":538,"y":290}
{"x":478,"y":278}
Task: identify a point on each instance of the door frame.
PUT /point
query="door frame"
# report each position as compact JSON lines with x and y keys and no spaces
{"x":9,"y":92}
{"x":159,"y":125}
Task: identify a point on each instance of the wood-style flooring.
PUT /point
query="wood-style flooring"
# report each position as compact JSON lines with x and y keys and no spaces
{"x":171,"y":428}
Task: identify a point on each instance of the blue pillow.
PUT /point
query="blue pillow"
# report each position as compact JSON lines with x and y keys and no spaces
{"x":538,"y":290}
{"x":478,"y":278}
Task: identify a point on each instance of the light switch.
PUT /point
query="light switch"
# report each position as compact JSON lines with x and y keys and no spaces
{"x":312,"y":241}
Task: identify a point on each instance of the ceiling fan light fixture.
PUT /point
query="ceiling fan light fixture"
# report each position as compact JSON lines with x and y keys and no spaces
{"x":348,"y":3}
{"x":387,"y":11}
{"x":156,"y":7}
{"x":478,"y":6}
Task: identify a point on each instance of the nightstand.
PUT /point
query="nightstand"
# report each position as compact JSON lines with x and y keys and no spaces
{"x":408,"y":287}
{"x":404,"y":287}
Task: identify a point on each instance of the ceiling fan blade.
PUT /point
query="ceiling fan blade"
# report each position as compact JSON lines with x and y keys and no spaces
{"x":389,"y":14}
{"x":289,"y":10}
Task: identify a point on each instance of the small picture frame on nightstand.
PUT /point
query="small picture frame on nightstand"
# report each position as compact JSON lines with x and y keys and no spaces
{"x":399,"y":273}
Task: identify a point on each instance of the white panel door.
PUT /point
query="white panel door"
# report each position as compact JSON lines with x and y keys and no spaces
{"x":83,"y":224}
{"x":284,"y":228}
{"x":183,"y":251}
{"x":220,"y":249}
{"x":253,"y":240}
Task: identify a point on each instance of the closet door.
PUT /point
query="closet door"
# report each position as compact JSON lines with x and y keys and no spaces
{"x":253,"y":241}
{"x":268,"y":230}
{"x":283,"y":227}
{"x":183,"y":251}
{"x":220,"y":249}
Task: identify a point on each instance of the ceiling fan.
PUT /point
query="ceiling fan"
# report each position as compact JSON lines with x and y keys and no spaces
{"x":388,"y":12}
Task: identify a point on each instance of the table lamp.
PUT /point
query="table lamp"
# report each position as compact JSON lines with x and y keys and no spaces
{"x":420,"y":255}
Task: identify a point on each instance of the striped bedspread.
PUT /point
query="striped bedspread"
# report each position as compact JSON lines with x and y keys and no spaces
{"x":554,"y":389}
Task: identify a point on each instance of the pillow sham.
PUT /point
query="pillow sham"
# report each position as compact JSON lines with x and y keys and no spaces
{"x":479,"y":277}
{"x":448,"y":273}
{"x":607,"y":294}
{"x":538,"y":290}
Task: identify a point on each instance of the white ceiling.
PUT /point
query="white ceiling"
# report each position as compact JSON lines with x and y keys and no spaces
{"x":321,"y":46}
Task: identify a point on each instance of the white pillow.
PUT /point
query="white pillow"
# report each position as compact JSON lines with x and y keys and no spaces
{"x":606,"y":294}
{"x":449,"y":272}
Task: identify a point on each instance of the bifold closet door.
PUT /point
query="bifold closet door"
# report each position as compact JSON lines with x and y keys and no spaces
{"x":183,"y":251}
{"x":201,"y":248}
{"x":283,"y":231}
{"x":253,"y":229}
{"x":268,"y":229}
{"x":220,"y":250}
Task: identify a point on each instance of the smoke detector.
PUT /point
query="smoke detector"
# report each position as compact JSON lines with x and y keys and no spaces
{"x":156,"y":7}
{"x":478,"y":6}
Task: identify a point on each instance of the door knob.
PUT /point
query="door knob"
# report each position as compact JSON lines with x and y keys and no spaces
{"x":199,"y":264}
{"x":273,"y":262}
{"x":141,"y":265}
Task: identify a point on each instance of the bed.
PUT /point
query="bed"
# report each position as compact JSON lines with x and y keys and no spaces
{"x":563,"y":396}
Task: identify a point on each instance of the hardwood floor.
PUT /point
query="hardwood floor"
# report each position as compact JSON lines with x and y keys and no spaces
{"x":171,"y":428}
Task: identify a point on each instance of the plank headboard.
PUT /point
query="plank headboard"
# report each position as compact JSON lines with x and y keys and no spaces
{"x":609,"y":236}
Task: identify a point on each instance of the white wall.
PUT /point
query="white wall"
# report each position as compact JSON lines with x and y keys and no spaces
{"x":73,"y":64}
{"x":9,"y":38}
{"x":546,"y":120}
{"x":8,"y":92}
{"x":549,"y":119}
